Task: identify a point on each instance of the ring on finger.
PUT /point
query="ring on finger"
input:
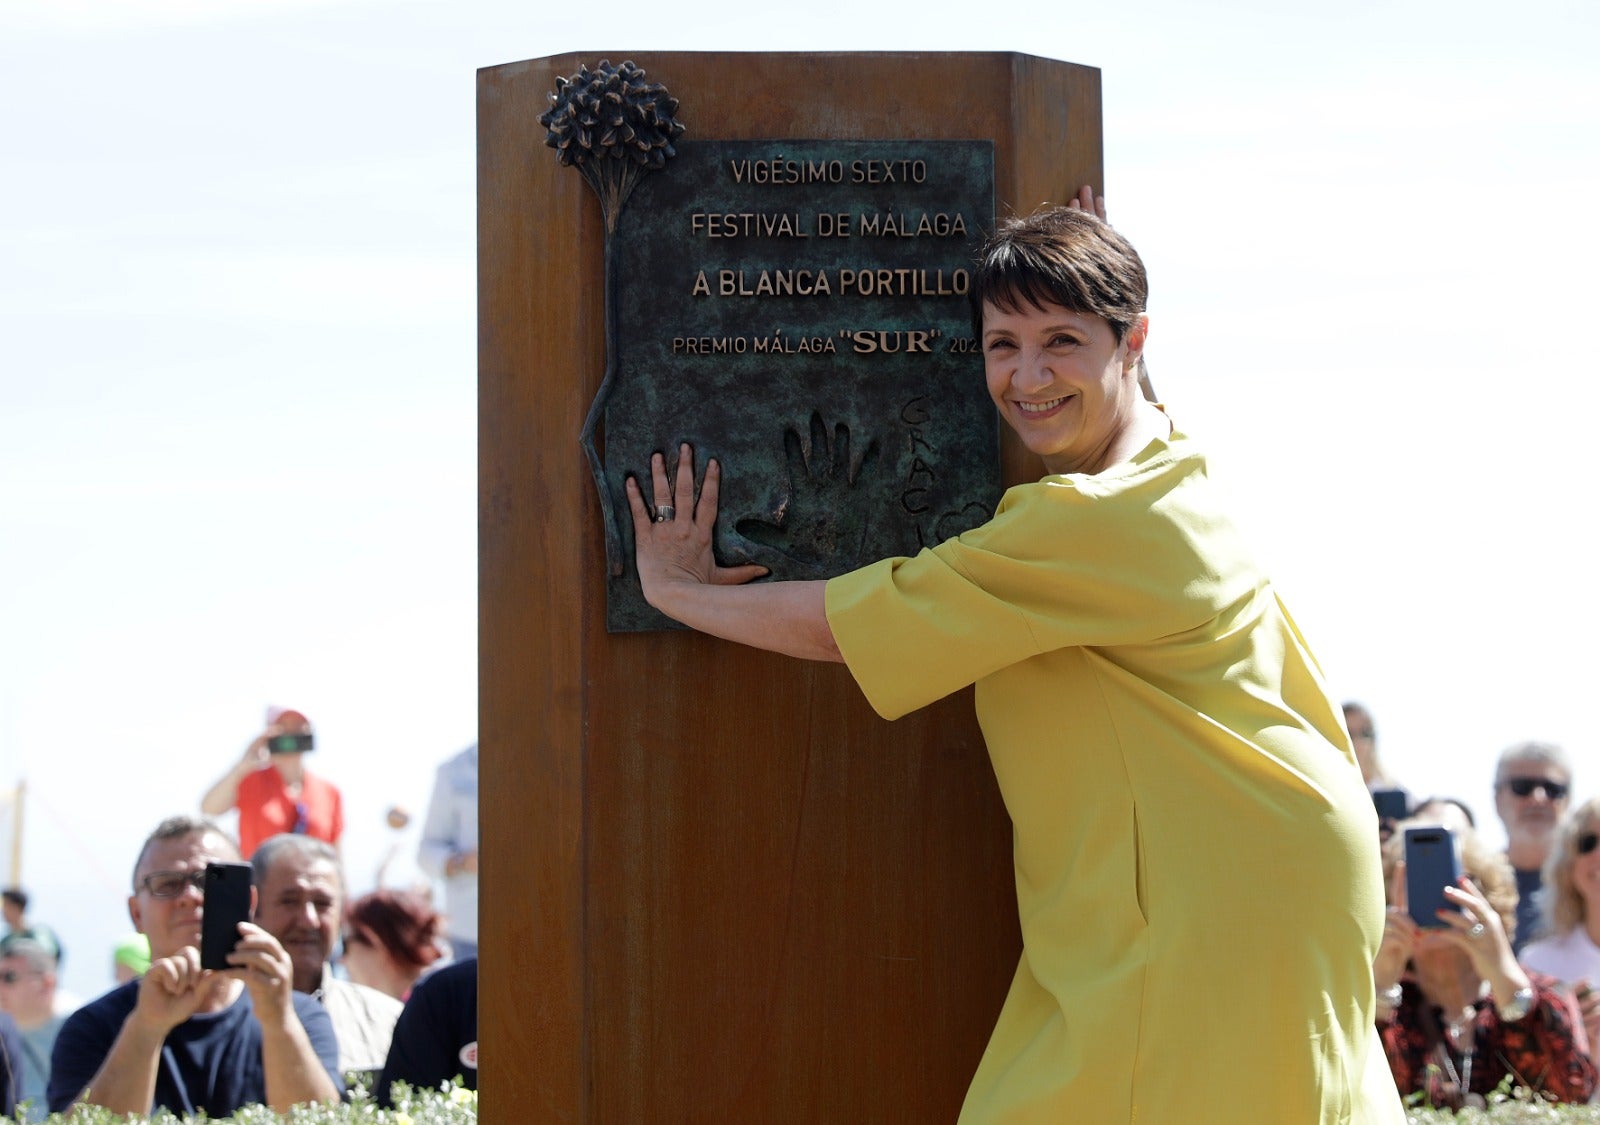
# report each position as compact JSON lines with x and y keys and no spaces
{"x":665,"y":512}
{"x":1476,"y":931}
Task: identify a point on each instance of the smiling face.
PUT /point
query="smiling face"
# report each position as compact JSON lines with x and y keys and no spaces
{"x":299,"y":904}
{"x":1063,"y":381}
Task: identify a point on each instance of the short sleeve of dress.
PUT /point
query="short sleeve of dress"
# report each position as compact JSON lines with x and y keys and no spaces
{"x":1127,"y":557}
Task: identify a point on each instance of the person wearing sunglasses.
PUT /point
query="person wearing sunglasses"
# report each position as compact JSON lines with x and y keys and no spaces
{"x":28,"y":995}
{"x":1457,"y":1013}
{"x":1570,"y":947}
{"x":1531,"y":784}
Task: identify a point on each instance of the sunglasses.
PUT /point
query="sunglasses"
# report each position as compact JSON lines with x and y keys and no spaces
{"x":1587,"y":842}
{"x":170,"y":884}
{"x":1524,"y":787}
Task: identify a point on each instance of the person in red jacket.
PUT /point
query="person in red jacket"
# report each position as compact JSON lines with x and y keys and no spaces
{"x":273,"y":790}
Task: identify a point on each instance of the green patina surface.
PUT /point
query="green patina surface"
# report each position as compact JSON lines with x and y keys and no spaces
{"x":832,"y":374}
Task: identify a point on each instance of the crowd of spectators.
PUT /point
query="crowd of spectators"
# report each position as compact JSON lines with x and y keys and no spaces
{"x":323,"y":989}
{"x":318,"y":991}
{"x":1500,"y":984}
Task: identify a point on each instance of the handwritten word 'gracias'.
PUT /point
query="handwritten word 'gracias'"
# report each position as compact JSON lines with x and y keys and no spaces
{"x":781,"y":171}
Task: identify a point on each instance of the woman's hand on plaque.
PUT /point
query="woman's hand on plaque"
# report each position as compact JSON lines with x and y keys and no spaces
{"x":672,"y":537}
{"x":1087,"y":200}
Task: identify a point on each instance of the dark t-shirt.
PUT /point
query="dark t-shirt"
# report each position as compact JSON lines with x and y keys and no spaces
{"x":209,"y":1062}
{"x":1528,"y":921}
{"x":436,"y":1036}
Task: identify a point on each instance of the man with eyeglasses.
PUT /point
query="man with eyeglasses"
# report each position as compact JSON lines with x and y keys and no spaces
{"x":1532,"y":783}
{"x":28,"y":995}
{"x":187,"y":1039}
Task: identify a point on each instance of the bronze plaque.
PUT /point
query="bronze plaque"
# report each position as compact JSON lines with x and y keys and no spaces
{"x":798,"y":310}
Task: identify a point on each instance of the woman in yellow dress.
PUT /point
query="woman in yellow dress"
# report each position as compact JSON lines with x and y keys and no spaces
{"x":1196,"y":854}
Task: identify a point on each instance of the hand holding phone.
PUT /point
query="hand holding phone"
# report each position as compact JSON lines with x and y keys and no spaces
{"x":1399,"y":935}
{"x":227,"y":903}
{"x":1432,"y":864}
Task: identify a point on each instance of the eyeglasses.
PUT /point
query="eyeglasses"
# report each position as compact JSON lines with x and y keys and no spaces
{"x":1524,"y":787}
{"x":1587,"y":842}
{"x":170,"y":884}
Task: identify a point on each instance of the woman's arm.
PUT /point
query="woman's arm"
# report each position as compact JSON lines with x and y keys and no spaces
{"x":681,"y":578}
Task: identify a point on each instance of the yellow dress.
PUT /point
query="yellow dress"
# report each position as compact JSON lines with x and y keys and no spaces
{"x":1197,"y":864}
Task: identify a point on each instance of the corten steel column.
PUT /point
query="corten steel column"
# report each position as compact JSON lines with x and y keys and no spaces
{"x":716,"y":887}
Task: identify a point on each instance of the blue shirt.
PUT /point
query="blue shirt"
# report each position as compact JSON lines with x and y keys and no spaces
{"x":1528,"y":920}
{"x":210,"y":1062}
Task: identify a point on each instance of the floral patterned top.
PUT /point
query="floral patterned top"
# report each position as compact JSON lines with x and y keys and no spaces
{"x":1539,"y":1051}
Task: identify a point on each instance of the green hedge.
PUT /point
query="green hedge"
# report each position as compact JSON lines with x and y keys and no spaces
{"x":460,"y":1107}
{"x":1512,"y":1112}
{"x":420,"y":1107}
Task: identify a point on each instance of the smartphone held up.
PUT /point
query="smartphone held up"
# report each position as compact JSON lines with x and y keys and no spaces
{"x":1433,"y":862}
{"x":227,"y":903}
{"x":290,"y":743}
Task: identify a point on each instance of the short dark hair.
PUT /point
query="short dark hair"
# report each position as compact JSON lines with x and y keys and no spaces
{"x":176,"y":827}
{"x":16,"y":896}
{"x":1061,"y":256}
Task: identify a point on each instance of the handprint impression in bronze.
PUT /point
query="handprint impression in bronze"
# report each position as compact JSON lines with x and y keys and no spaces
{"x":829,"y":520}
{"x":821,"y":524}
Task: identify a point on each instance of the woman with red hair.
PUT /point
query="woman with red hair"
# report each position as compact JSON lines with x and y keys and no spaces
{"x":390,"y":939}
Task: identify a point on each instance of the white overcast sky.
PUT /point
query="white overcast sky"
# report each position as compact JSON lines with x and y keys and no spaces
{"x":237,"y":364}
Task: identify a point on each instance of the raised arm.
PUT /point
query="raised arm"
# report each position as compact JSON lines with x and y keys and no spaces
{"x":225,"y":793}
{"x":682,"y":579}
{"x":1087,"y":200}
{"x":294,"y":1071}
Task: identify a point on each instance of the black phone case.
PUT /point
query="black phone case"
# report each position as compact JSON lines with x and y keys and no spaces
{"x":1431,"y":866}
{"x":227,"y":903}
